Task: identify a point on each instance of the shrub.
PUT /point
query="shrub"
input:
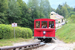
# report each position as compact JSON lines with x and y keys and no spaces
{"x":7,"y":32}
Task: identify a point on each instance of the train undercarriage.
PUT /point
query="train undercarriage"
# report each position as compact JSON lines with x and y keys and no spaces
{"x":45,"y":39}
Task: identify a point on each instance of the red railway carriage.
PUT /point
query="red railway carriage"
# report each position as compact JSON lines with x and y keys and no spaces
{"x":44,"y":29}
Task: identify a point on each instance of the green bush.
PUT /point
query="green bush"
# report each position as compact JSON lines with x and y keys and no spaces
{"x":7,"y":32}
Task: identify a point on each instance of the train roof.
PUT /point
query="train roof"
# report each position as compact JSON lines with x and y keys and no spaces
{"x":44,"y":19}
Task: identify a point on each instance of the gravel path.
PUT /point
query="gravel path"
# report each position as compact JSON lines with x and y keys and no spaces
{"x":57,"y":45}
{"x":53,"y":45}
{"x":32,"y":41}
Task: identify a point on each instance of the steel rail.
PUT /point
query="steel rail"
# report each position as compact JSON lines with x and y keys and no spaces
{"x":29,"y":46}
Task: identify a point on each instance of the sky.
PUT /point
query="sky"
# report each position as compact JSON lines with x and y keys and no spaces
{"x":54,"y":3}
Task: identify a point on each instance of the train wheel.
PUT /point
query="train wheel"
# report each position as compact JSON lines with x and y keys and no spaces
{"x":50,"y":39}
{"x":41,"y":40}
{"x":45,"y":40}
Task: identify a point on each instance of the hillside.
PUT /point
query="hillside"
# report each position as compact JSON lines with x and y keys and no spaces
{"x":66,"y":33}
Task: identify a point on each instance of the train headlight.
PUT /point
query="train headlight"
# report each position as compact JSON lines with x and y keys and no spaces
{"x":44,"y":37}
{"x":44,"y":32}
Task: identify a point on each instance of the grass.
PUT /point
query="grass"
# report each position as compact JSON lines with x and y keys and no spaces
{"x":66,"y":33}
{"x":9,"y":42}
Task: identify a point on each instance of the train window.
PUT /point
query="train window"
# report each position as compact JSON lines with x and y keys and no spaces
{"x":44,"y":24}
{"x":37,"y":24}
{"x":51,"y":24}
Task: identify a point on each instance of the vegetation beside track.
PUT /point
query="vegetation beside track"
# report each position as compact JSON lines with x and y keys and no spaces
{"x":66,"y":33}
{"x":9,"y":42}
{"x":7,"y":32}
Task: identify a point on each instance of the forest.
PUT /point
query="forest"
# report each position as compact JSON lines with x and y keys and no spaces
{"x":24,"y":14}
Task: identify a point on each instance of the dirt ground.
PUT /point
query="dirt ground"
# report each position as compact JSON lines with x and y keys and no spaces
{"x":53,"y":45}
{"x":57,"y":45}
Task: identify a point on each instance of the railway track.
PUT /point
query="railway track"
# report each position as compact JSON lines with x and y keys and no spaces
{"x":24,"y":47}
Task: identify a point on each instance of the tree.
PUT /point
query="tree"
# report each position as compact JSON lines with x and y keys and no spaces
{"x":25,"y":14}
{"x":72,"y":18}
{"x":3,"y":8}
{"x":13,"y":12}
{"x":65,"y":12}
{"x":59,"y":9}
{"x":74,"y":9}
{"x":33,"y":5}
{"x":52,"y":9}
{"x":72,"y":13}
{"x":46,"y":8}
{"x":40,"y":8}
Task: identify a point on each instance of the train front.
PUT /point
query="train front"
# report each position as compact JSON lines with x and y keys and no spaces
{"x":44,"y":29}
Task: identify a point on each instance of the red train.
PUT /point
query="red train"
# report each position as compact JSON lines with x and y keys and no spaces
{"x":44,"y":29}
